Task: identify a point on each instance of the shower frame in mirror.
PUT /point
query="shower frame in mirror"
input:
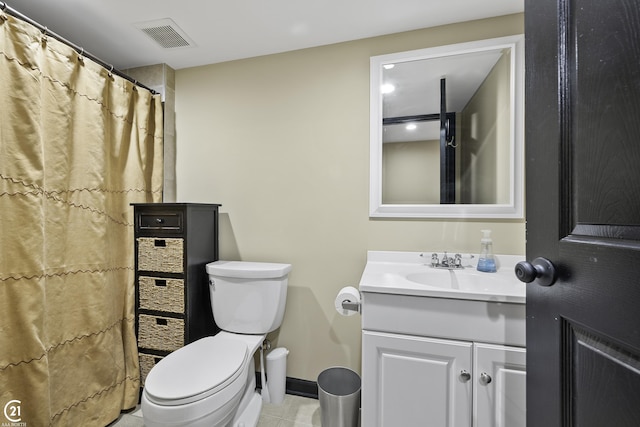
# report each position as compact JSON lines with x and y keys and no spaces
{"x":512,"y":210}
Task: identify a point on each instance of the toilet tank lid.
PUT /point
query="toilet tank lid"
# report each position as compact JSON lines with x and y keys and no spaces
{"x":248,"y":270}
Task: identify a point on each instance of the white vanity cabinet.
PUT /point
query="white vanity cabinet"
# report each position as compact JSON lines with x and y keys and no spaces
{"x":499,"y":398}
{"x":415,"y":381}
{"x":442,"y":362}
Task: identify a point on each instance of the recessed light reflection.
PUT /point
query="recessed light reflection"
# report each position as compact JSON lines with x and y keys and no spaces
{"x":387,"y":88}
{"x":411,"y":126}
{"x":388,"y":66}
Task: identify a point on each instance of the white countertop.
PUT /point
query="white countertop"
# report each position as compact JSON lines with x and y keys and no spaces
{"x":407,"y":273}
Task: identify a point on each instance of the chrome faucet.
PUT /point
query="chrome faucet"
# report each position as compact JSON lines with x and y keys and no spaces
{"x":446,"y":262}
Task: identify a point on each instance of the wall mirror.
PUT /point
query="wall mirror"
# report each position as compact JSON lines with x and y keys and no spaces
{"x":447,"y":131}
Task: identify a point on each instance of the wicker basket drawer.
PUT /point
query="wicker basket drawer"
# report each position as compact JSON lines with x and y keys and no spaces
{"x":160,"y":333}
{"x":163,"y":255}
{"x":161,"y":294}
{"x":147,"y":361}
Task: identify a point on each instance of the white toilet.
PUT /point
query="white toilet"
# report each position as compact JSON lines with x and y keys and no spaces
{"x":211,"y":382}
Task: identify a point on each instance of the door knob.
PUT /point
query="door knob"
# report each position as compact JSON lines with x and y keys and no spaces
{"x":540,"y":269}
{"x":465,"y":375}
{"x":485,"y":378}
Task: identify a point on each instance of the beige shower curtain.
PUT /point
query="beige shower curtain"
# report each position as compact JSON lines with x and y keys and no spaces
{"x":77,"y":146}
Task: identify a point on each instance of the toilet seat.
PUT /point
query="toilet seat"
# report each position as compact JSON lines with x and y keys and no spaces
{"x":196,"y":371}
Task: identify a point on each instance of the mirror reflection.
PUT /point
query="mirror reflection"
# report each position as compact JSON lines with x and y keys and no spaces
{"x":446,"y":132}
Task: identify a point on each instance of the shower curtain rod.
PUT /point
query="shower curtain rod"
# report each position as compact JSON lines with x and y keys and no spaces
{"x":6,"y":8}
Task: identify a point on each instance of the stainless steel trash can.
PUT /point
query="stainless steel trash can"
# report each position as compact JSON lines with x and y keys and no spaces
{"x":339,"y":395}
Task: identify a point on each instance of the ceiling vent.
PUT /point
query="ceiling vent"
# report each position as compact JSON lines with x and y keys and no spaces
{"x":166,"y":33}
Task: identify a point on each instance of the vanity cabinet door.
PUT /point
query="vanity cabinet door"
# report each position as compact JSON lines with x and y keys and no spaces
{"x":500,"y":386}
{"x":415,"y":381}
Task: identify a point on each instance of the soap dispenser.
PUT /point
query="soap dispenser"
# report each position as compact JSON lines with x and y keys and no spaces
{"x":486,"y":261}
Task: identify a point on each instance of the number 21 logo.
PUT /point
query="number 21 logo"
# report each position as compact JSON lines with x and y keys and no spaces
{"x":12,"y":411}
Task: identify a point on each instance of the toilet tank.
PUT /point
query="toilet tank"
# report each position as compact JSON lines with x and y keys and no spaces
{"x":248,"y":297}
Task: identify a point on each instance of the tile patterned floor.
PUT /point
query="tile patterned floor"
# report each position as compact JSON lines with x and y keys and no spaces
{"x":295,"y":411}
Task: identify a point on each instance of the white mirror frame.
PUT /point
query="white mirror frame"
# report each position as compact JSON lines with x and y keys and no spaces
{"x":512,"y":210}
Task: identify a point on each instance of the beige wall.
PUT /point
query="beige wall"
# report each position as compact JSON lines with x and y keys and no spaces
{"x":282,"y":142}
{"x":411,"y":172}
{"x":486,"y":138}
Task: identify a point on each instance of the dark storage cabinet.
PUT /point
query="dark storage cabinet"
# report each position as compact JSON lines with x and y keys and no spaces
{"x":173,"y":243}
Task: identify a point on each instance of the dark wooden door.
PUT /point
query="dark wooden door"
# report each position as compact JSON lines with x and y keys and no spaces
{"x":583,"y":211}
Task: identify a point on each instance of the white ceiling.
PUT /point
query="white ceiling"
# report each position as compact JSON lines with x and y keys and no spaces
{"x":417,"y":82}
{"x":236,"y":29}
{"x":417,"y":90}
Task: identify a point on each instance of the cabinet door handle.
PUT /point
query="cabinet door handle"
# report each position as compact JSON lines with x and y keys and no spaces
{"x":485,"y":378}
{"x":465,"y":375}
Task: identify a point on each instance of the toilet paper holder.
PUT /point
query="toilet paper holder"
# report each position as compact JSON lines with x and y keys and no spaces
{"x":347,"y":302}
{"x":348,"y":305}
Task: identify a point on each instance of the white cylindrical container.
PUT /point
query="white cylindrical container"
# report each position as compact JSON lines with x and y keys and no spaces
{"x":277,"y":374}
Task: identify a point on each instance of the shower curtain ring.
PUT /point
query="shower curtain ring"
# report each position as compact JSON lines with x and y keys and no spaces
{"x":111,"y":71}
{"x":81,"y":55}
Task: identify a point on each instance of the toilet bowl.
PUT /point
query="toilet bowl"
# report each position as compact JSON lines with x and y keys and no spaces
{"x":211,"y":382}
{"x":202,"y":383}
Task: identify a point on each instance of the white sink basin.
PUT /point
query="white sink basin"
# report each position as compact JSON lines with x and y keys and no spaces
{"x":405,"y":273}
{"x":437,"y":280}
{"x":467,"y":280}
